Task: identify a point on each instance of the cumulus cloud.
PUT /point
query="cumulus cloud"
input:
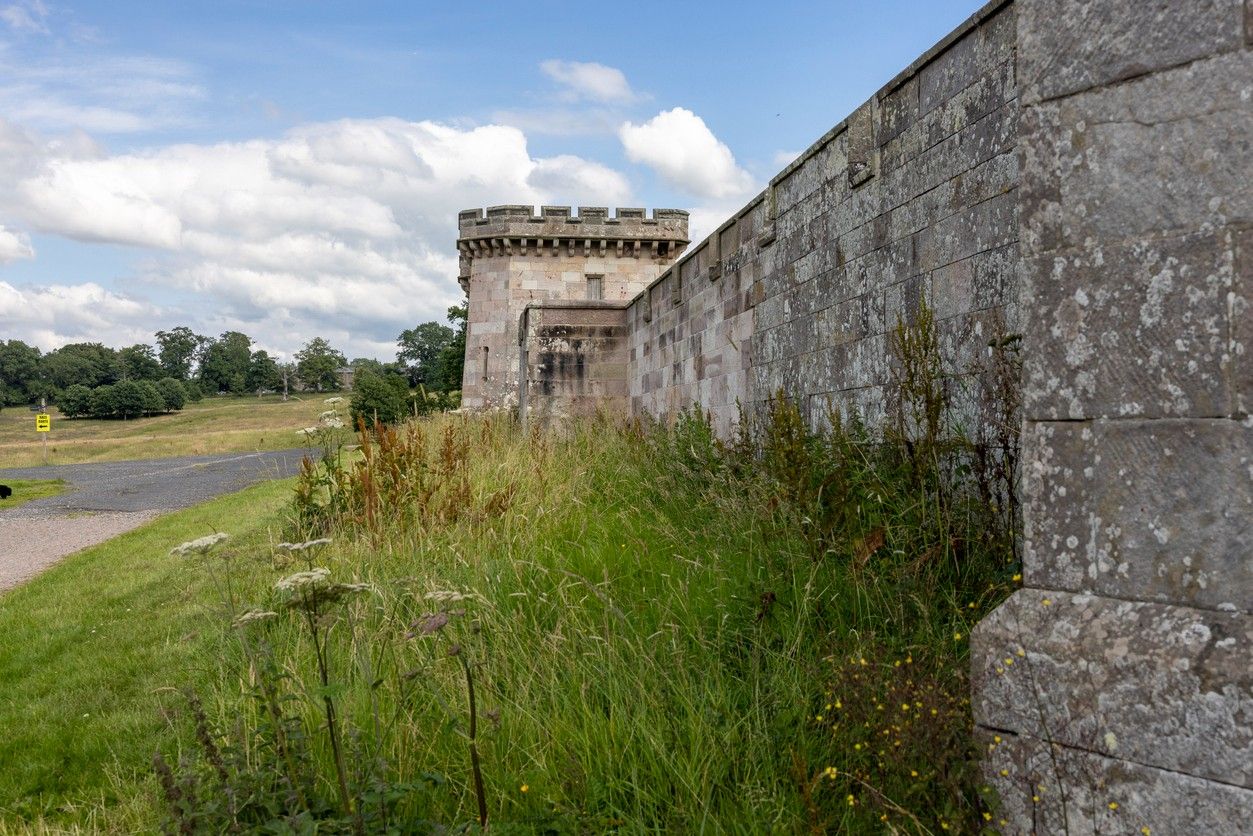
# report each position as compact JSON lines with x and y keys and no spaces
{"x":54,"y":315}
{"x":679,"y":146}
{"x":14,"y":245}
{"x":589,"y":81}
{"x":340,"y":229}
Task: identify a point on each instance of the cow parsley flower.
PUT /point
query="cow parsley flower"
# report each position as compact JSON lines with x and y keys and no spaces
{"x":201,"y":545}
{"x":301,"y":580}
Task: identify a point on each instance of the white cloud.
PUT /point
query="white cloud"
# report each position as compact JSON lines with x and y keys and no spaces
{"x":782,"y":159}
{"x":110,"y":94}
{"x":26,"y":16}
{"x":54,"y":315}
{"x":14,"y":245}
{"x":680,"y":147}
{"x":589,"y":81}
{"x":341,"y":229}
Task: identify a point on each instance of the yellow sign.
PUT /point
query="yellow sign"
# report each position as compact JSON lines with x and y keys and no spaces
{"x":43,"y":422}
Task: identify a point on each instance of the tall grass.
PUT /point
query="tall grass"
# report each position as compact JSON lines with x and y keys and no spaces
{"x":636,"y":628}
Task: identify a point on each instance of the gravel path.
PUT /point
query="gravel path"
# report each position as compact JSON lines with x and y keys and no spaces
{"x":106,"y":499}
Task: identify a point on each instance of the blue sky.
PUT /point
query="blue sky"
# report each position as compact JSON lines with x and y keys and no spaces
{"x":293,"y":169}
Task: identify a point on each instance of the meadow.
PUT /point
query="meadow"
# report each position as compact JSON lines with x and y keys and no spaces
{"x":465,"y":624}
{"x":223,"y":424}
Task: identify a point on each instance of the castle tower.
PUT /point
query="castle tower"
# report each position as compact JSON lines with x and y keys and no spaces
{"x":511,"y":258}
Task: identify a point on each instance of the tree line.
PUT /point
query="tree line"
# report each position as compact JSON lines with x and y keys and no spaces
{"x":430,"y":355}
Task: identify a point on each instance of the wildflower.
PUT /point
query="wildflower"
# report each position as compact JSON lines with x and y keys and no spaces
{"x":1113,"y":805}
{"x":524,"y":788}
{"x":198,"y":546}
{"x":1047,"y":601}
{"x":302,"y":579}
{"x":330,"y":413}
{"x":335,"y":423}
{"x":1009,"y":662}
{"x":1021,"y":653}
{"x":1004,"y":773}
{"x":431,"y":623}
{"x":987,"y":816}
{"x":957,"y":637}
{"x":852,"y":802}
{"x":1017,"y":577}
{"x":830,"y":772}
{"x":996,"y":738}
{"x":299,"y":547}
{"x":1145,"y":830}
{"x":334,"y":400}
{"x":944,"y":825}
{"x":249,"y":616}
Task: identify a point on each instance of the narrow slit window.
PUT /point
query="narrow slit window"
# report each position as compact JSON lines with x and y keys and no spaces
{"x":595,"y":287}
{"x":484,"y":364}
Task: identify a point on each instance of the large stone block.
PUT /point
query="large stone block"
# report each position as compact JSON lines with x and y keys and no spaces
{"x":1043,"y":788}
{"x":1163,"y":686}
{"x":1132,"y":329}
{"x":1166,"y":152}
{"x":1065,"y":46}
{"x":1152,"y":510}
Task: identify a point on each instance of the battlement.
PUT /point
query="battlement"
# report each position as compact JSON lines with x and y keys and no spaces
{"x":502,"y":228}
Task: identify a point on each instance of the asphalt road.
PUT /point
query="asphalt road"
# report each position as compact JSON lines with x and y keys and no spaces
{"x":151,"y":484}
{"x":109,"y":498}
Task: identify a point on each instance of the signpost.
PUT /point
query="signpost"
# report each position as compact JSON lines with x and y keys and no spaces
{"x":43,"y":424}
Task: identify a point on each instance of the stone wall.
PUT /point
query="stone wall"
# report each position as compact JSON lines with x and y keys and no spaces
{"x":912,"y":197}
{"x":1076,"y":171}
{"x":1131,"y":701}
{"x":574,"y":360}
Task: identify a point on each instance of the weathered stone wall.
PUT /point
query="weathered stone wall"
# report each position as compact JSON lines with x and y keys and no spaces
{"x":912,"y":197}
{"x":574,"y":357}
{"x":1120,"y":681}
{"x":1077,"y":171}
{"x":511,"y":257}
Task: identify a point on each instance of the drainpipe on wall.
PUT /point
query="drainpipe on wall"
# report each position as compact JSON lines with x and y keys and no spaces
{"x":522,"y":328}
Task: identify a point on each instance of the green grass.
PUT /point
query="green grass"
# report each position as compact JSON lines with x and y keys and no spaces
{"x":658,"y":631}
{"x":28,"y":490}
{"x":214,"y":425}
{"x":92,"y":652}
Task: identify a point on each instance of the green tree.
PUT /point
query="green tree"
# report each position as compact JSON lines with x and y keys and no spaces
{"x":452,"y":359}
{"x":140,"y":362}
{"x":154,"y":403}
{"x":128,"y":399}
{"x":102,"y":404}
{"x":420,"y":350}
{"x":75,"y":401}
{"x":178,"y":350}
{"x":317,"y":365}
{"x":19,"y":372}
{"x":384,"y":397}
{"x":224,"y":366}
{"x":90,"y":364}
{"x":172,"y":392}
{"x":263,"y":373}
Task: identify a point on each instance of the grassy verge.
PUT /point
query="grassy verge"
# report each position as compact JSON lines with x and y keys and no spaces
{"x":215,"y":425}
{"x":90,"y":652}
{"x":28,"y":490}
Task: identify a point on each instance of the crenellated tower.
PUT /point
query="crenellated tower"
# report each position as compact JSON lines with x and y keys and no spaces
{"x":511,"y":257}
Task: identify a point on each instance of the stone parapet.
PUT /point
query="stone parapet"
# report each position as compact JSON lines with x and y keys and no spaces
{"x":499,"y":230}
